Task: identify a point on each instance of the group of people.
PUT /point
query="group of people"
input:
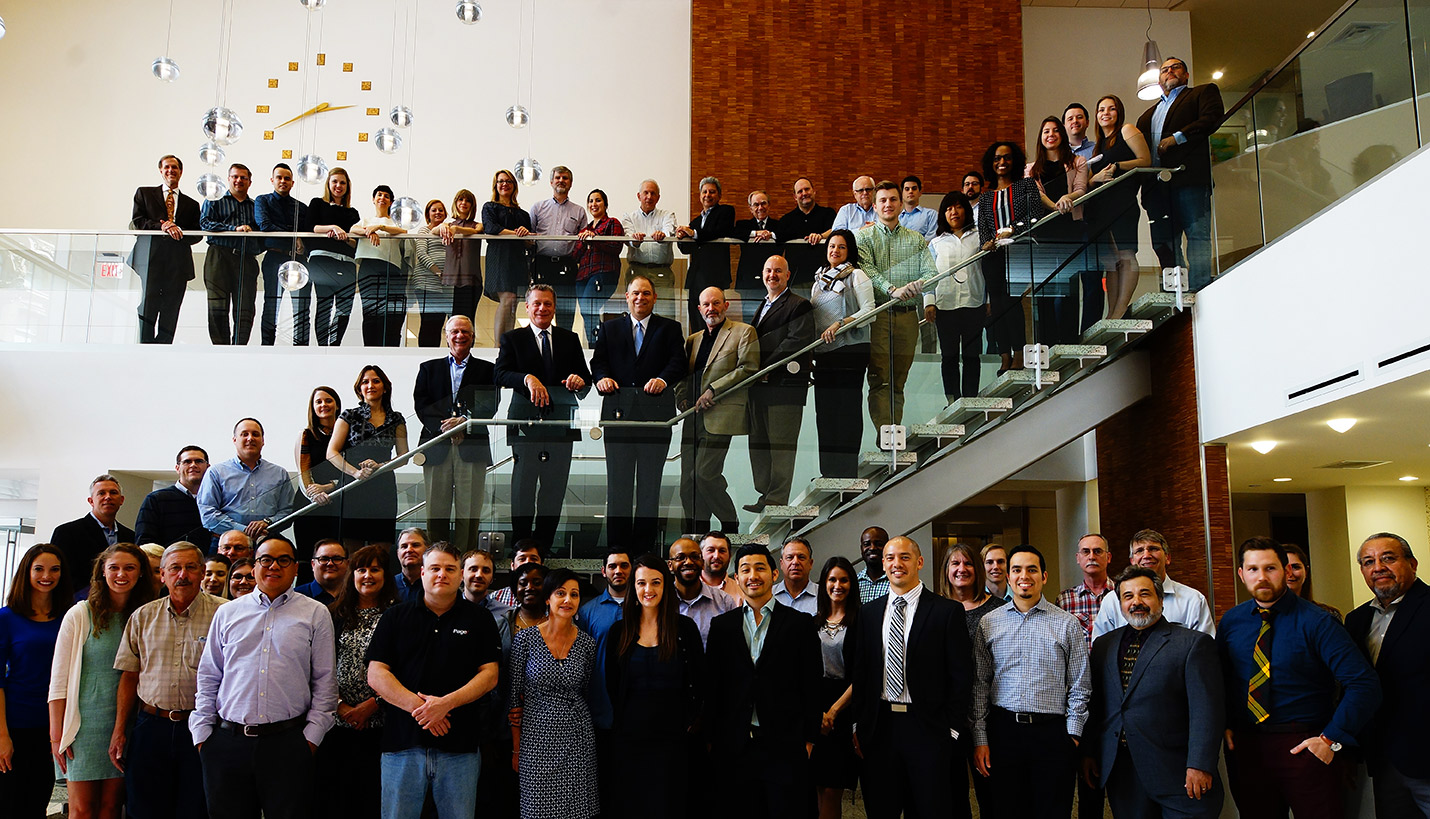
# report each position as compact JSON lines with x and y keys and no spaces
{"x":425,"y":684}
{"x":440,"y":272}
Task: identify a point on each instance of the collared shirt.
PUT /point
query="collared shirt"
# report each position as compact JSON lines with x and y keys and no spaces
{"x":921,"y":220}
{"x":893,"y":258}
{"x":1082,"y":603}
{"x":1182,"y":605}
{"x":704,"y":607}
{"x":765,"y":306}
{"x":599,"y":258}
{"x":806,"y":601}
{"x":1030,"y":662}
{"x":1085,"y":148}
{"x":853,"y":217}
{"x":233,"y":496}
{"x":728,"y":586}
{"x":871,"y":589}
{"x":552,"y":218}
{"x":455,"y":369}
{"x":505,"y":598}
{"x":597,"y":618}
{"x":755,"y":637}
{"x":1159,"y":117}
{"x":268,"y":661}
{"x":638,"y":221}
{"x":965,"y":288}
{"x":1310,"y":652}
{"x":644,"y":324}
{"x":434,"y":655}
{"x":407,"y":590}
{"x":276,"y":213}
{"x":911,"y":605}
{"x":317,"y":592}
{"x":164,"y":647}
{"x":228,"y":214}
{"x":1382,"y":614}
{"x":111,"y":533}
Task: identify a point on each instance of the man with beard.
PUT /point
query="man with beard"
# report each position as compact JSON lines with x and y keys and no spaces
{"x":698,"y":601}
{"x":1151,"y":738}
{"x":411,"y":544}
{"x":1282,"y":657}
{"x":1183,"y":605}
{"x":161,"y":767}
{"x":478,"y":568}
{"x":715,"y":552}
{"x":1393,"y":630}
{"x":330,"y":569}
{"x":872,"y":582}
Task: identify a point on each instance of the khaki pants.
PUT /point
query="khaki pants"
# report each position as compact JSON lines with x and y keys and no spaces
{"x":893,"y":341}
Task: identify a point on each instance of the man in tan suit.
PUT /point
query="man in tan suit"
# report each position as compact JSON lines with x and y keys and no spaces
{"x":725,"y":353}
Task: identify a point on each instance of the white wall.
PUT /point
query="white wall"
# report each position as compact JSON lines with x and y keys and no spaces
{"x":86,"y":121}
{"x":1343,"y":292}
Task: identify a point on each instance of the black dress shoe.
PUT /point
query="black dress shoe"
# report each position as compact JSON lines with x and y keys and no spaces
{"x":754,"y":507}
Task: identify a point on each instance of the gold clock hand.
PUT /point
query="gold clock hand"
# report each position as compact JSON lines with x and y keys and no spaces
{"x":317,"y":109}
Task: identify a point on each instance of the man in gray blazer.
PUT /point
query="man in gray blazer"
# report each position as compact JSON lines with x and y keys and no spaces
{"x":1154,"y":726}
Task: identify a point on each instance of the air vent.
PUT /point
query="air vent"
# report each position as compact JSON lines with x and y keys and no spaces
{"x":1352,"y":464}
{"x":1333,"y":381}
{"x":1419,"y":349}
{"x":1358,"y":36}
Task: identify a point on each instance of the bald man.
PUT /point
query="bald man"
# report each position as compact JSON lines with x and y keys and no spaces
{"x":785,"y":324}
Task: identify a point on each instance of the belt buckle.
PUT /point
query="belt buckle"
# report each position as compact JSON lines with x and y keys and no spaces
{"x":250,"y":730}
{"x":1025,"y":719}
{"x":174,"y":716}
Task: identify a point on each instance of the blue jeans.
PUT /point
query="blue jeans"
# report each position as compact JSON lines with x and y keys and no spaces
{"x":1175,"y":212}
{"x":592,"y":295}
{"x":452,"y":778}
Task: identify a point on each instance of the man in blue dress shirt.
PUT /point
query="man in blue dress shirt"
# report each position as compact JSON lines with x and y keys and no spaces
{"x":246,"y":493}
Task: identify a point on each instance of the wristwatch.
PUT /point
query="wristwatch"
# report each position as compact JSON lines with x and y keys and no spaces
{"x":1335,"y":746}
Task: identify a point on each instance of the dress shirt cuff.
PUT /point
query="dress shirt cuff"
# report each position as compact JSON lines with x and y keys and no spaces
{"x":930,"y":300}
{"x":318,"y":724}
{"x":1076,"y":722}
{"x":1180,"y":137}
{"x":201,"y":729}
{"x":980,"y":732}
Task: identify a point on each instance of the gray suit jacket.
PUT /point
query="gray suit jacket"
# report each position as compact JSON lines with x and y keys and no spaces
{"x":1172,"y":712}
{"x":734,"y":357}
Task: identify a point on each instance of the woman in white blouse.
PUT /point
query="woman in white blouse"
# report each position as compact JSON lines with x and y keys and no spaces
{"x":840,"y":291}
{"x":958,"y":304}
{"x":382,"y":280}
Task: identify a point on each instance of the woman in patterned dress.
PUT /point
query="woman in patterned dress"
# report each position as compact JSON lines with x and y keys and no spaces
{"x":554,"y":742}
{"x":364,"y":438}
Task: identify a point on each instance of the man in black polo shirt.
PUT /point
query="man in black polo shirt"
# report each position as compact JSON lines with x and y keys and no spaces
{"x":447,"y":648}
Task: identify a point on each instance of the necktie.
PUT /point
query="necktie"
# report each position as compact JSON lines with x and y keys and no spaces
{"x":640,"y":337}
{"x":169,"y":205}
{"x":1258,"y":694}
{"x":546,"y":352}
{"x":1129,"y":659}
{"x":894,"y":653}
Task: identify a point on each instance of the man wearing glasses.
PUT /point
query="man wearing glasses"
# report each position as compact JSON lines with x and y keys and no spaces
{"x":858,"y":214}
{"x":330,"y":570}
{"x":267,"y":691}
{"x":171,"y":514}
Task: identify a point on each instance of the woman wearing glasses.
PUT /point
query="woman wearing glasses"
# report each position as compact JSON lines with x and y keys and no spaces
{"x":241,"y":579}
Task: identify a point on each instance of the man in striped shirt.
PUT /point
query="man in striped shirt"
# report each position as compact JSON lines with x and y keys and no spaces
{"x":231,"y":264}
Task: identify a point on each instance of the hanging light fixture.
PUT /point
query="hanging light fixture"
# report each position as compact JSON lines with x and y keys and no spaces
{"x":406,"y":212}
{"x":220,"y":123}
{"x":401,"y":116}
{"x":527,"y":170}
{"x":312,"y":168}
{"x":212,"y":187}
{"x":222,"y":126}
{"x":1148,"y":86}
{"x":312,"y":5}
{"x":164,"y":68}
{"x":210,"y":153}
{"x":293,"y":276}
{"x":387,"y":140}
{"x":2,"y":28}
{"x":469,"y":11}
{"x":517,"y":116}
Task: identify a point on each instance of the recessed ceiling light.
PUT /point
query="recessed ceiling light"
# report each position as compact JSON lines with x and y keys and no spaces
{"x":1281,"y":480}
{"x":1216,"y":75}
{"x":1409,"y":478}
{"x":1263,"y":446}
{"x":1341,"y":424}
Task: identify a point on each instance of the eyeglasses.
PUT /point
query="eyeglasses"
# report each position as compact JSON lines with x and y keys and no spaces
{"x":269,"y":561}
{"x":1173,"y":67}
{"x":863,"y":190}
{"x":328,"y":561}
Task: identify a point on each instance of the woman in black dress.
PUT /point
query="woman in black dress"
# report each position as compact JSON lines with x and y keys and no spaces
{"x":316,"y":476}
{"x":1061,"y":176}
{"x":1113,"y":215}
{"x":653,"y":672}
{"x":836,"y":768}
{"x":1007,"y":208}
{"x":508,"y":262}
{"x":364,"y":438}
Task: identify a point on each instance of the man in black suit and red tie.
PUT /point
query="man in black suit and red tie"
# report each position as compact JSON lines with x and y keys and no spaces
{"x":784,"y":322}
{"x":1394,"y":632}
{"x":1177,"y":128}
{"x":912,"y":678}
{"x":709,"y":260}
{"x":544,"y":367}
{"x":83,"y":539}
{"x":639,"y":358}
{"x":165,"y":264}
{"x":450,"y":390}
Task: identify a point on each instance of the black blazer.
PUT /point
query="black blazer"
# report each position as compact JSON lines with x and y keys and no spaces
{"x":662,"y":356}
{"x":1196,"y":112}
{"x":432,"y":398}
{"x":1172,"y":713}
{"x":168,"y":516}
{"x":1397,"y":734}
{"x":519,"y":356}
{"x":81,"y":541}
{"x":938,"y":668}
{"x":751,"y":267}
{"x":691,"y":656}
{"x":783,"y":685}
{"x":783,"y":329}
{"x":148,"y":213}
{"x":710,"y":263}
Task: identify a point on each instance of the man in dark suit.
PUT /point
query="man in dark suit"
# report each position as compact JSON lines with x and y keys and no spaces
{"x":785,"y":324}
{"x":164,"y":264}
{"x":709,"y":262}
{"x":543,"y":366}
{"x":805,"y":224}
{"x":83,"y":539}
{"x":912,"y":677}
{"x":171,"y":514}
{"x":1153,"y":733}
{"x":639,"y":359}
{"x":762,"y":702}
{"x":1394,"y":632}
{"x":450,"y":390}
{"x":759,"y":237}
{"x":1177,"y":129}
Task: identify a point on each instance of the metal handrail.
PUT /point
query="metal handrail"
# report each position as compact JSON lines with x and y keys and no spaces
{"x":409,"y":236}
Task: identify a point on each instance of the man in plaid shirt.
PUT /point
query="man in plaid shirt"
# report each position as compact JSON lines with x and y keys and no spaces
{"x":1082,"y":601}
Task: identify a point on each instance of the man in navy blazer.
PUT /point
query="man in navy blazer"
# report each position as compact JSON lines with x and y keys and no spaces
{"x":1153,"y":733}
{"x":546,"y":371}
{"x":1394,"y":632}
{"x":709,"y":260}
{"x":639,"y":358}
{"x":83,"y":539}
{"x":164,"y":264}
{"x":449,"y":390}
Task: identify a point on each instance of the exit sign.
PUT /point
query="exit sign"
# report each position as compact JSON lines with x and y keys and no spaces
{"x":109,"y":270}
